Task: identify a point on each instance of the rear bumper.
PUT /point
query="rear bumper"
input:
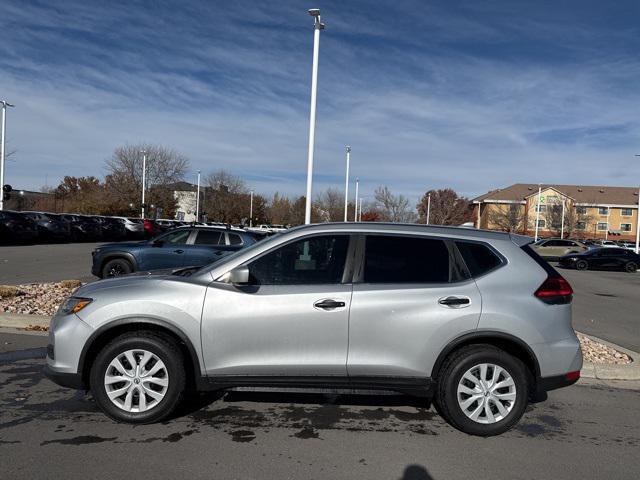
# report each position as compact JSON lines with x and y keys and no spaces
{"x":68,"y":380}
{"x":546,"y":384}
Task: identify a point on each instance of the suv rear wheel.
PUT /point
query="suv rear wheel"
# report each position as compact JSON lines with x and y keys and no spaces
{"x":138,"y":377}
{"x":482,"y":390}
{"x":631,"y":267}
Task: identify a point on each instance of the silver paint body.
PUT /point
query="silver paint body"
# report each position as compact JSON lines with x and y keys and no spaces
{"x":383,"y":330}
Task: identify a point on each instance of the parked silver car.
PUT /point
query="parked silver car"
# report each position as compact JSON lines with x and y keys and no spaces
{"x":473,"y":320}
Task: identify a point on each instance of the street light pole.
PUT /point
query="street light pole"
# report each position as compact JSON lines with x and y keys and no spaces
{"x":637,"y":220}
{"x":144,"y":178}
{"x":198,"y":199}
{"x":5,"y":104}
{"x":251,"y":210}
{"x":428,"y":207}
{"x":355,"y":213}
{"x":562,"y":224}
{"x":318,"y":25}
{"x":538,"y":210}
{"x":346,"y":185}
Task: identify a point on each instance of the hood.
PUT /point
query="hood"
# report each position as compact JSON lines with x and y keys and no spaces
{"x":124,"y":281}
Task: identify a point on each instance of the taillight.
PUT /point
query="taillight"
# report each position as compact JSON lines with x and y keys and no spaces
{"x":555,"y":290}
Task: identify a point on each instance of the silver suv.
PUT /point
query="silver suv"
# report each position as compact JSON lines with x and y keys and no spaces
{"x":473,"y":320}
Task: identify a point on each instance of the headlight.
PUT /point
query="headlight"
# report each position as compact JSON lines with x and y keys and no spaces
{"x":74,"y":305}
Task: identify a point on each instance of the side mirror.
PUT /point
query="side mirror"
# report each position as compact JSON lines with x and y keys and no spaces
{"x":239,"y":275}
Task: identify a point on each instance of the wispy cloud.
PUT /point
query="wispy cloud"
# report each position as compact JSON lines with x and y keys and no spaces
{"x":428,"y":94}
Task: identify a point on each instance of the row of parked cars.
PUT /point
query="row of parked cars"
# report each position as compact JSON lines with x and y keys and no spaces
{"x":589,"y":254}
{"x":45,"y":227}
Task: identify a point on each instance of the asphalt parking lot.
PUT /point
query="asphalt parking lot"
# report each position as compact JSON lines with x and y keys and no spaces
{"x":590,"y":430}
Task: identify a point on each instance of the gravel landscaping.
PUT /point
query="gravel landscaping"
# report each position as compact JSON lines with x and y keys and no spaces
{"x":35,"y":298}
{"x":44,"y":299}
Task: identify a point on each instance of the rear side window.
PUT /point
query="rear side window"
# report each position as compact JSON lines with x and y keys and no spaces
{"x":478,"y":257}
{"x":234,"y":239}
{"x":395,"y":259}
{"x":207,"y":238}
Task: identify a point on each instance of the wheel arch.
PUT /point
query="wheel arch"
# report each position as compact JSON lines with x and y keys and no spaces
{"x":106,"y":333}
{"x":504,"y":341}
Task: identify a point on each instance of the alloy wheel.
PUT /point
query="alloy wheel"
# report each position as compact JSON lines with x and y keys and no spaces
{"x":486,"y":393}
{"x":136,"y":381}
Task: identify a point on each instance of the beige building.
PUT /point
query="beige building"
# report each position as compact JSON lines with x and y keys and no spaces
{"x":570,"y":210}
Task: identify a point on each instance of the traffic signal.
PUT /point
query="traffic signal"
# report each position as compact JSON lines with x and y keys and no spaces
{"x":6,"y":192}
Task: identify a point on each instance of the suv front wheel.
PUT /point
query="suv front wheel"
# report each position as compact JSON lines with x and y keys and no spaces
{"x":138,"y":377}
{"x":482,"y":390}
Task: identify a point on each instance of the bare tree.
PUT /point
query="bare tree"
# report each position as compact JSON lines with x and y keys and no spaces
{"x":330,"y":205}
{"x":508,"y":218}
{"x":226,"y":197}
{"x":392,"y":208}
{"x":124,"y":175}
{"x":574,"y":218}
{"x":447,"y":208}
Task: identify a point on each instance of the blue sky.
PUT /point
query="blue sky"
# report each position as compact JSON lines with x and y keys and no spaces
{"x":429,"y":94}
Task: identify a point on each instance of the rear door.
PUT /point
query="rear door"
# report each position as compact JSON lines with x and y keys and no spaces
{"x":410,"y":299}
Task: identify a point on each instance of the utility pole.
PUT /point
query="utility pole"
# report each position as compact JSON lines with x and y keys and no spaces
{"x":318,"y":25}
{"x":198,"y":199}
{"x":5,"y":104}
{"x":638,"y":221}
{"x":346,"y":185}
{"x":144,"y":179}
{"x":562,"y":224}
{"x":538,"y":211}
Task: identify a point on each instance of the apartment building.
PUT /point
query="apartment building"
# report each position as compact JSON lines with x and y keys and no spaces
{"x":580,"y":211}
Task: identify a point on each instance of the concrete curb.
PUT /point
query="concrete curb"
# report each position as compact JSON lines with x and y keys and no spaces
{"x":589,"y":370}
{"x":612,"y":372}
{"x":11,"y":320}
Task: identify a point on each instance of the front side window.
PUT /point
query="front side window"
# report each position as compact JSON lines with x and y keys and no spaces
{"x":313,"y":261}
{"x":178,"y":237}
{"x":395,"y":259}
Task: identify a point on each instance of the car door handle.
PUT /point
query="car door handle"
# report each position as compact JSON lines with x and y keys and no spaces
{"x":178,"y":251}
{"x":454,"y":301}
{"x":328,"y":304}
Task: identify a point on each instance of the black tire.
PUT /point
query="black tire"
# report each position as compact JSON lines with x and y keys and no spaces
{"x":162,"y":346}
{"x":582,"y":265}
{"x":631,"y":267}
{"x":116,"y":268}
{"x":451,"y":373}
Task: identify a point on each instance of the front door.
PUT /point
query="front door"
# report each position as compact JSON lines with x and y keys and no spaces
{"x":166,"y":251}
{"x":409,"y":303}
{"x":291,"y":320}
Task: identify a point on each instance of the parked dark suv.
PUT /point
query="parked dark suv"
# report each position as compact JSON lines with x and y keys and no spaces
{"x":16,"y":227}
{"x":177,"y":248}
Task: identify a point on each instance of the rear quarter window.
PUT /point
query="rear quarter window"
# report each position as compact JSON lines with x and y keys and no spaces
{"x":478,"y":257}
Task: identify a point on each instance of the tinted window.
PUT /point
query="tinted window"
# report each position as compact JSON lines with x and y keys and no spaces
{"x":207,"y":237}
{"x":318,"y":260}
{"x":177,"y":237}
{"x":612,"y":252}
{"x":394,"y":259}
{"x":234,"y":239}
{"x":478,"y":257}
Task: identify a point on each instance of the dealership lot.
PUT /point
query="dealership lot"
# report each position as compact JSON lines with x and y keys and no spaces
{"x":49,"y":432}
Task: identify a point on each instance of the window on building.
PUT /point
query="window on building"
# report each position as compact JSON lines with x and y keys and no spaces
{"x":542,"y":223}
{"x":581,"y":210}
{"x":603,"y":210}
{"x":626,"y":212}
{"x":603,"y":226}
{"x":581,"y":225}
{"x":541,"y":208}
{"x":625,"y":227}
{"x":391,"y":259}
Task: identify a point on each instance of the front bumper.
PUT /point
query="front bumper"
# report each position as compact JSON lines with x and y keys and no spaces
{"x":68,"y":380}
